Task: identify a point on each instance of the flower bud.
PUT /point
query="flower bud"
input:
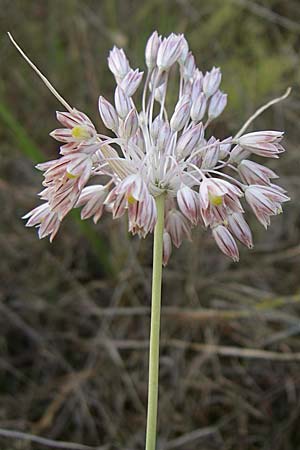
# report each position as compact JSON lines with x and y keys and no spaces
{"x":198,"y":108}
{"x":237,"y":154}
{"x":152,"y":49}
{"x":138,"y":140}
{"x":217,"y":105}
{"x":118,"y":63}
{"x":225,"y":148}
{"x":225,"y":242}
{"x":211,"y":154}
{"x":211,"y":81}
{"x":184,"y":50}
{"x":131,"y":82}
{"x":122,"y":102}
{"x":131,"y":124}
{"x":169,"y":51}
{"x":181,"y":114}
{"x":108,"y":114}
{"x":189,"y":204}
{"x":167,"y":248}
{"x":239,"y":227}
{"x":177,"y":226}
{"x":189,"y":140}
{"x":163,"y":137}
{"x":254,"y":173}
{"x":189,"y":67}
{"x":160,"y":92}
{"x":197,"y":88}
{"x":157,"y":78}
{"x":155,"y":127}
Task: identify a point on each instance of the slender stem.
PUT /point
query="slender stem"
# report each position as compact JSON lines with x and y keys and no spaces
{"x":155,"y":325}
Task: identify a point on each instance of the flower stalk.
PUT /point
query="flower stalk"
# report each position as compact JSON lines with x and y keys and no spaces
{"x":155,"y":325}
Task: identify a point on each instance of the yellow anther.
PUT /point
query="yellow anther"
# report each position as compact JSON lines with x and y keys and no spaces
{"x":131,"y":200}
{"x":79,"y":132}
{"x":71,"y":176}
{"x":215,"y":200}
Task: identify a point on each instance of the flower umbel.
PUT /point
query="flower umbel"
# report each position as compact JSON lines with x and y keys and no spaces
{"x":160,"y":168}
{"x":158,"y":151}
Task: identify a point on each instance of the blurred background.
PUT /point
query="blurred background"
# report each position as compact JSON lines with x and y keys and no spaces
{"x":74,"y":315}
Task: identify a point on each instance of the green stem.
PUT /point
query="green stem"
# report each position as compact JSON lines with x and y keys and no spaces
{"x":155,"y":325}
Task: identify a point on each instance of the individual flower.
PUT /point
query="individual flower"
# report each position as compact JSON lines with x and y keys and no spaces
{"x":265,"y":201}
{"x":262,"y":143}
{"x":211,"y":81}
{"x":92,"y":199}
{"x":225,"y":242}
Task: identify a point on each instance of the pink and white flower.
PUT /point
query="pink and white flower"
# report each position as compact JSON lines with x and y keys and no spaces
{"x":226,"y":242}
{"x":262,"y":143}
{"x":265,"y":201}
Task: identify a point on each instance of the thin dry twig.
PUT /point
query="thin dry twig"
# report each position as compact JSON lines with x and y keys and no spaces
{"x":42,"y":77}
{"x":190,"y":437}
{"x":261,"y":110}
{"x":210,"y":349}
{"x":268,"y":14}
{"x":13,"y":434}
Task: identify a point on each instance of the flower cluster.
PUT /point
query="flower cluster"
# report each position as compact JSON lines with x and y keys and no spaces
{"x":157,"y":151}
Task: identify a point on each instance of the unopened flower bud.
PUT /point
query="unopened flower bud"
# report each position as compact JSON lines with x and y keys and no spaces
{"x":198,"y":108}
{"x":169,"y":51}
{"x":155,"y":127}
{"x":152,"y":49}
{"x":197,"y":88}
{"x":138,"y":140}
{"x":217,"y":105}
{"x":177,"y":226}
{"x":225,"y":242}
{"x":184,"y":50}
{"x":211,"y":81}
{"x":160,"y":92}
{"x":131,"y":82}
{"x":122,"y":102}
{"x":157,"y":78}
{"x":118,"y":63}
{"x":108,"y":114}
{"x":189,"y":140}
{"x":163,"y":137}
{"x":225,"y":147}
{"x":211,"y":154}
{"x":131,"y":124}
{"x":167,"y":248}
{"x":189,"y":67}
{"x":189,"y":204}
{"x":239,"y":227}
{"x":237,"y":154}
{"x":181,"y":114}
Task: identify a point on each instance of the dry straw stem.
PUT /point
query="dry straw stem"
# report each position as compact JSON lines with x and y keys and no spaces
{"x":39,"y":73}
{"x":264,"y":307}
{"x":209,"y":349}
{"x":261,"y":110}
{"x":13,"y":434}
